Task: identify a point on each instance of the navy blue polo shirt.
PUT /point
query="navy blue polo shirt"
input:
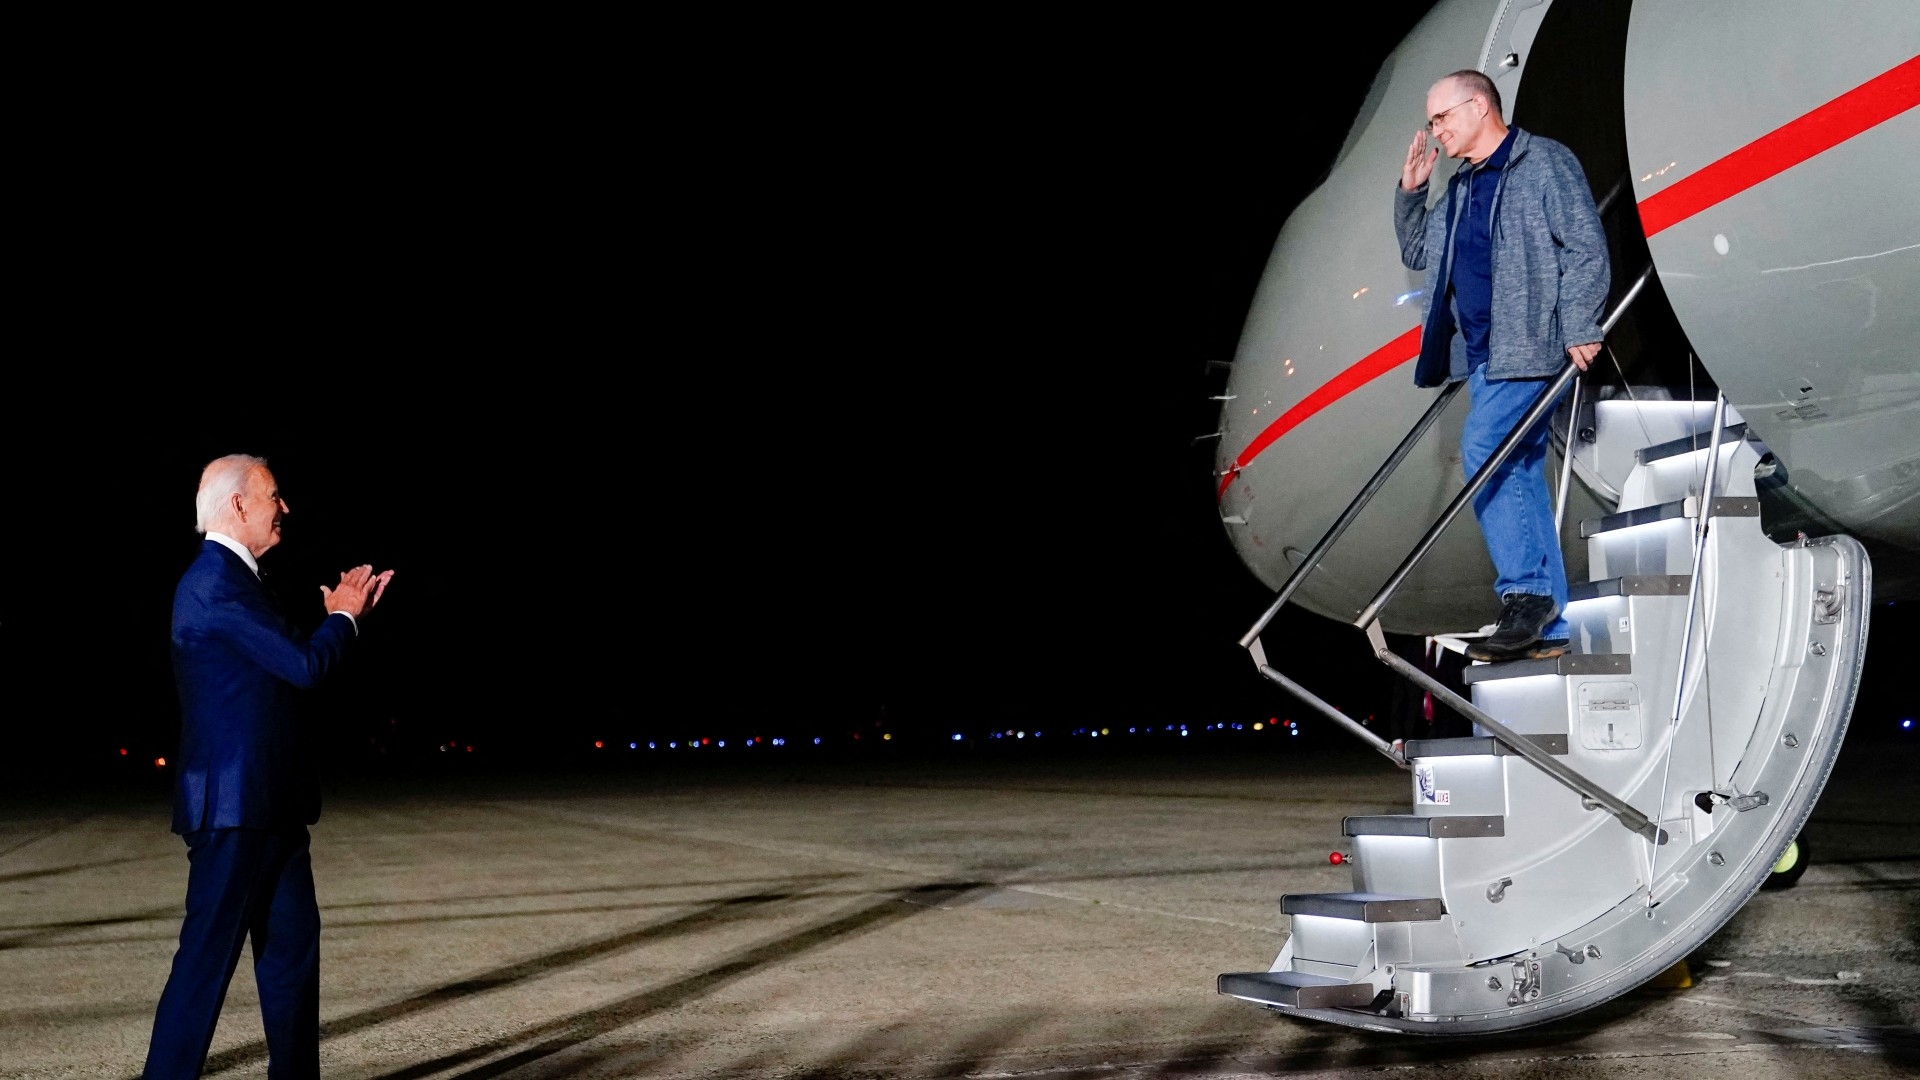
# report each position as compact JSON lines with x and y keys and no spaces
{"x":1472,"y":277}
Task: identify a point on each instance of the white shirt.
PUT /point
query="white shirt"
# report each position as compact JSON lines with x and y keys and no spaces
{"x":253,"y":564}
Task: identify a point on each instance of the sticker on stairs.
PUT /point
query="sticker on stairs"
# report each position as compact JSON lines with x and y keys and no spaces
{"x":1425,"y":791}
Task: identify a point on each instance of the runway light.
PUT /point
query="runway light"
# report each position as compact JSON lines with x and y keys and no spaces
{"x":816,"y":740}
{"x":630,"y":746}
{"x":1096,"y":735}
{"x":653,"y":746}
{"x":723,"y":743}
{"x":1104,"y":731}
{"x":1020,"y":735}
{"x":704,"y":742}
{"x":1336,"y":858}
{"x":159,"y":763}
{"x":1130,"y":731}
{"x":597,"y":744}
{"x":1295,"y":731}
{"x":123,"y":751}
{"x":676,"y":746}
{"x":1907,"y":723}
{"x":1257,"y":725}
{"x":956,"y":736}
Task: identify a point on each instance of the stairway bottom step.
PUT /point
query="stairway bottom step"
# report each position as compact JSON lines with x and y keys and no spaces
{"x":1295,"y":990}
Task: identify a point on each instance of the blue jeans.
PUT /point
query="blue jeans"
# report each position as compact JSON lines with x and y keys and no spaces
{"x":1515,"y":512}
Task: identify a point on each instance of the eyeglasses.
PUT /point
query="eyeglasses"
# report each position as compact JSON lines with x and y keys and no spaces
{"x":1434,"y":120}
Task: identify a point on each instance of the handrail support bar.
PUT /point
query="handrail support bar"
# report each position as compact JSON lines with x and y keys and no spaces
{"x":1585,"y":788}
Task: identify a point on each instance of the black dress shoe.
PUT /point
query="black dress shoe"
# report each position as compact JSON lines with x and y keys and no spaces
{"x":1517,"y":635}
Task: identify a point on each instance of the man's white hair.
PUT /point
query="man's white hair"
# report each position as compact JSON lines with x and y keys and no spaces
{"x":222,"y":478}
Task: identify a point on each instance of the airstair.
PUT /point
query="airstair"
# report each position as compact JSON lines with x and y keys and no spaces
{"x":1615,"y":806}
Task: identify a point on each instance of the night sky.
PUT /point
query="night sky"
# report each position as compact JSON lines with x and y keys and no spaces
{"x":815,"y":393}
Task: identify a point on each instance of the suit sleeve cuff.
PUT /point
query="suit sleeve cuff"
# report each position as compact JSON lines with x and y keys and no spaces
{"x":355,"y":622}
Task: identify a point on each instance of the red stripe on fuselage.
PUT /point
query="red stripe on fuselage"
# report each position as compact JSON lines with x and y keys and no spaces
{"x":1378,"y":363}
{"x":1871,"y":103}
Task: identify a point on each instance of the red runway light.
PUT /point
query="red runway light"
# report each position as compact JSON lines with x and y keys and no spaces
{"x":123,"y":751}
{"x":1336,"y":858}
{"x":159,"y":763}
{"x":597,"y":744}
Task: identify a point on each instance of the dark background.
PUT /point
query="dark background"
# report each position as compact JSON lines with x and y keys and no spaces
{"x":793,"y":395}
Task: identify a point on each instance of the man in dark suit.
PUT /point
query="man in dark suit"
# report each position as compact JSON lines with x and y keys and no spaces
{"x":247,"y":790}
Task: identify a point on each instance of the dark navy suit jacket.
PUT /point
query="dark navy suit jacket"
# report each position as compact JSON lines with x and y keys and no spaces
{"x":238,"y":665}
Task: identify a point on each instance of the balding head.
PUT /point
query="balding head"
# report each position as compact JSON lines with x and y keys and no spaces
{"x":1463,"y":115}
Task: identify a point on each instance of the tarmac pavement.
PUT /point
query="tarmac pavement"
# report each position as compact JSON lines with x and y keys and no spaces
{"x":970,"y":916}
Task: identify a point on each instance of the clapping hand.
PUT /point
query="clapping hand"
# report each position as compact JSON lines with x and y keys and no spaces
{"x":359,"y":590}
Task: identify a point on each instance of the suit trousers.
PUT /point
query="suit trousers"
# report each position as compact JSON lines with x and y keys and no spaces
{"x":244,"y":883}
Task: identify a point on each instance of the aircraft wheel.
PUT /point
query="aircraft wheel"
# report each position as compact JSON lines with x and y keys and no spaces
{"x":1793,"y":863}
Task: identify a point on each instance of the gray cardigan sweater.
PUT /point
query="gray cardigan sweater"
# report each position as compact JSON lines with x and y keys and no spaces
{"x":1550,"y":271}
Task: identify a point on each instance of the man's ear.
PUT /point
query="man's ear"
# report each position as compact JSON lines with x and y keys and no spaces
{"x":239,"y":506}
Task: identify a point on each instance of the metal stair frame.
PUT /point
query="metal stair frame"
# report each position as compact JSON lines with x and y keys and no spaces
{"x":1540,"y":776}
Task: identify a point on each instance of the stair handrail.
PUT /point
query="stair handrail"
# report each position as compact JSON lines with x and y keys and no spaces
{"x":1249,"y":639}
{"x":1541,"y":406}
{"x":1703,"y":524}
{"x":1591,"y":793}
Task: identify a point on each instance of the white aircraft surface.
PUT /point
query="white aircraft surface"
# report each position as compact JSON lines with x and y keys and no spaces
{"x":1743,"y":484}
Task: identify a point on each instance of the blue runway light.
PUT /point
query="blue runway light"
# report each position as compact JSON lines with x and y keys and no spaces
{"x":673,"y":746}
{"x":816,"y":740}
{"x":633,"y":746}
{"x":956,"y":736}
{"x":1295,"y":731}
{"x":1183,"y":733}
{"x":653,"y":746}
{"x":1907,"y":723}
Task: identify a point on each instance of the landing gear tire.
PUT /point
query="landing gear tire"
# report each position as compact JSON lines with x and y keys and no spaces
{"x":1793,"y":863}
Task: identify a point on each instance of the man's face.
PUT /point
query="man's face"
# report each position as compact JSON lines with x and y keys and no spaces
{"x":260,"y":511}
{"x":1455,"y":118}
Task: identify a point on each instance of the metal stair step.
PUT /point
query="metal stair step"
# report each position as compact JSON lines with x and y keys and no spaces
{"x":1414,"y":825}
{"x":1364,"y":907}
{"x":1296,"y":990}
{"x":1687,"y":444}
{"x":1564,"y":664}
{"x":1478,"y":746}
{"x":1630,"y":585}
{"x":1647,"y":515}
